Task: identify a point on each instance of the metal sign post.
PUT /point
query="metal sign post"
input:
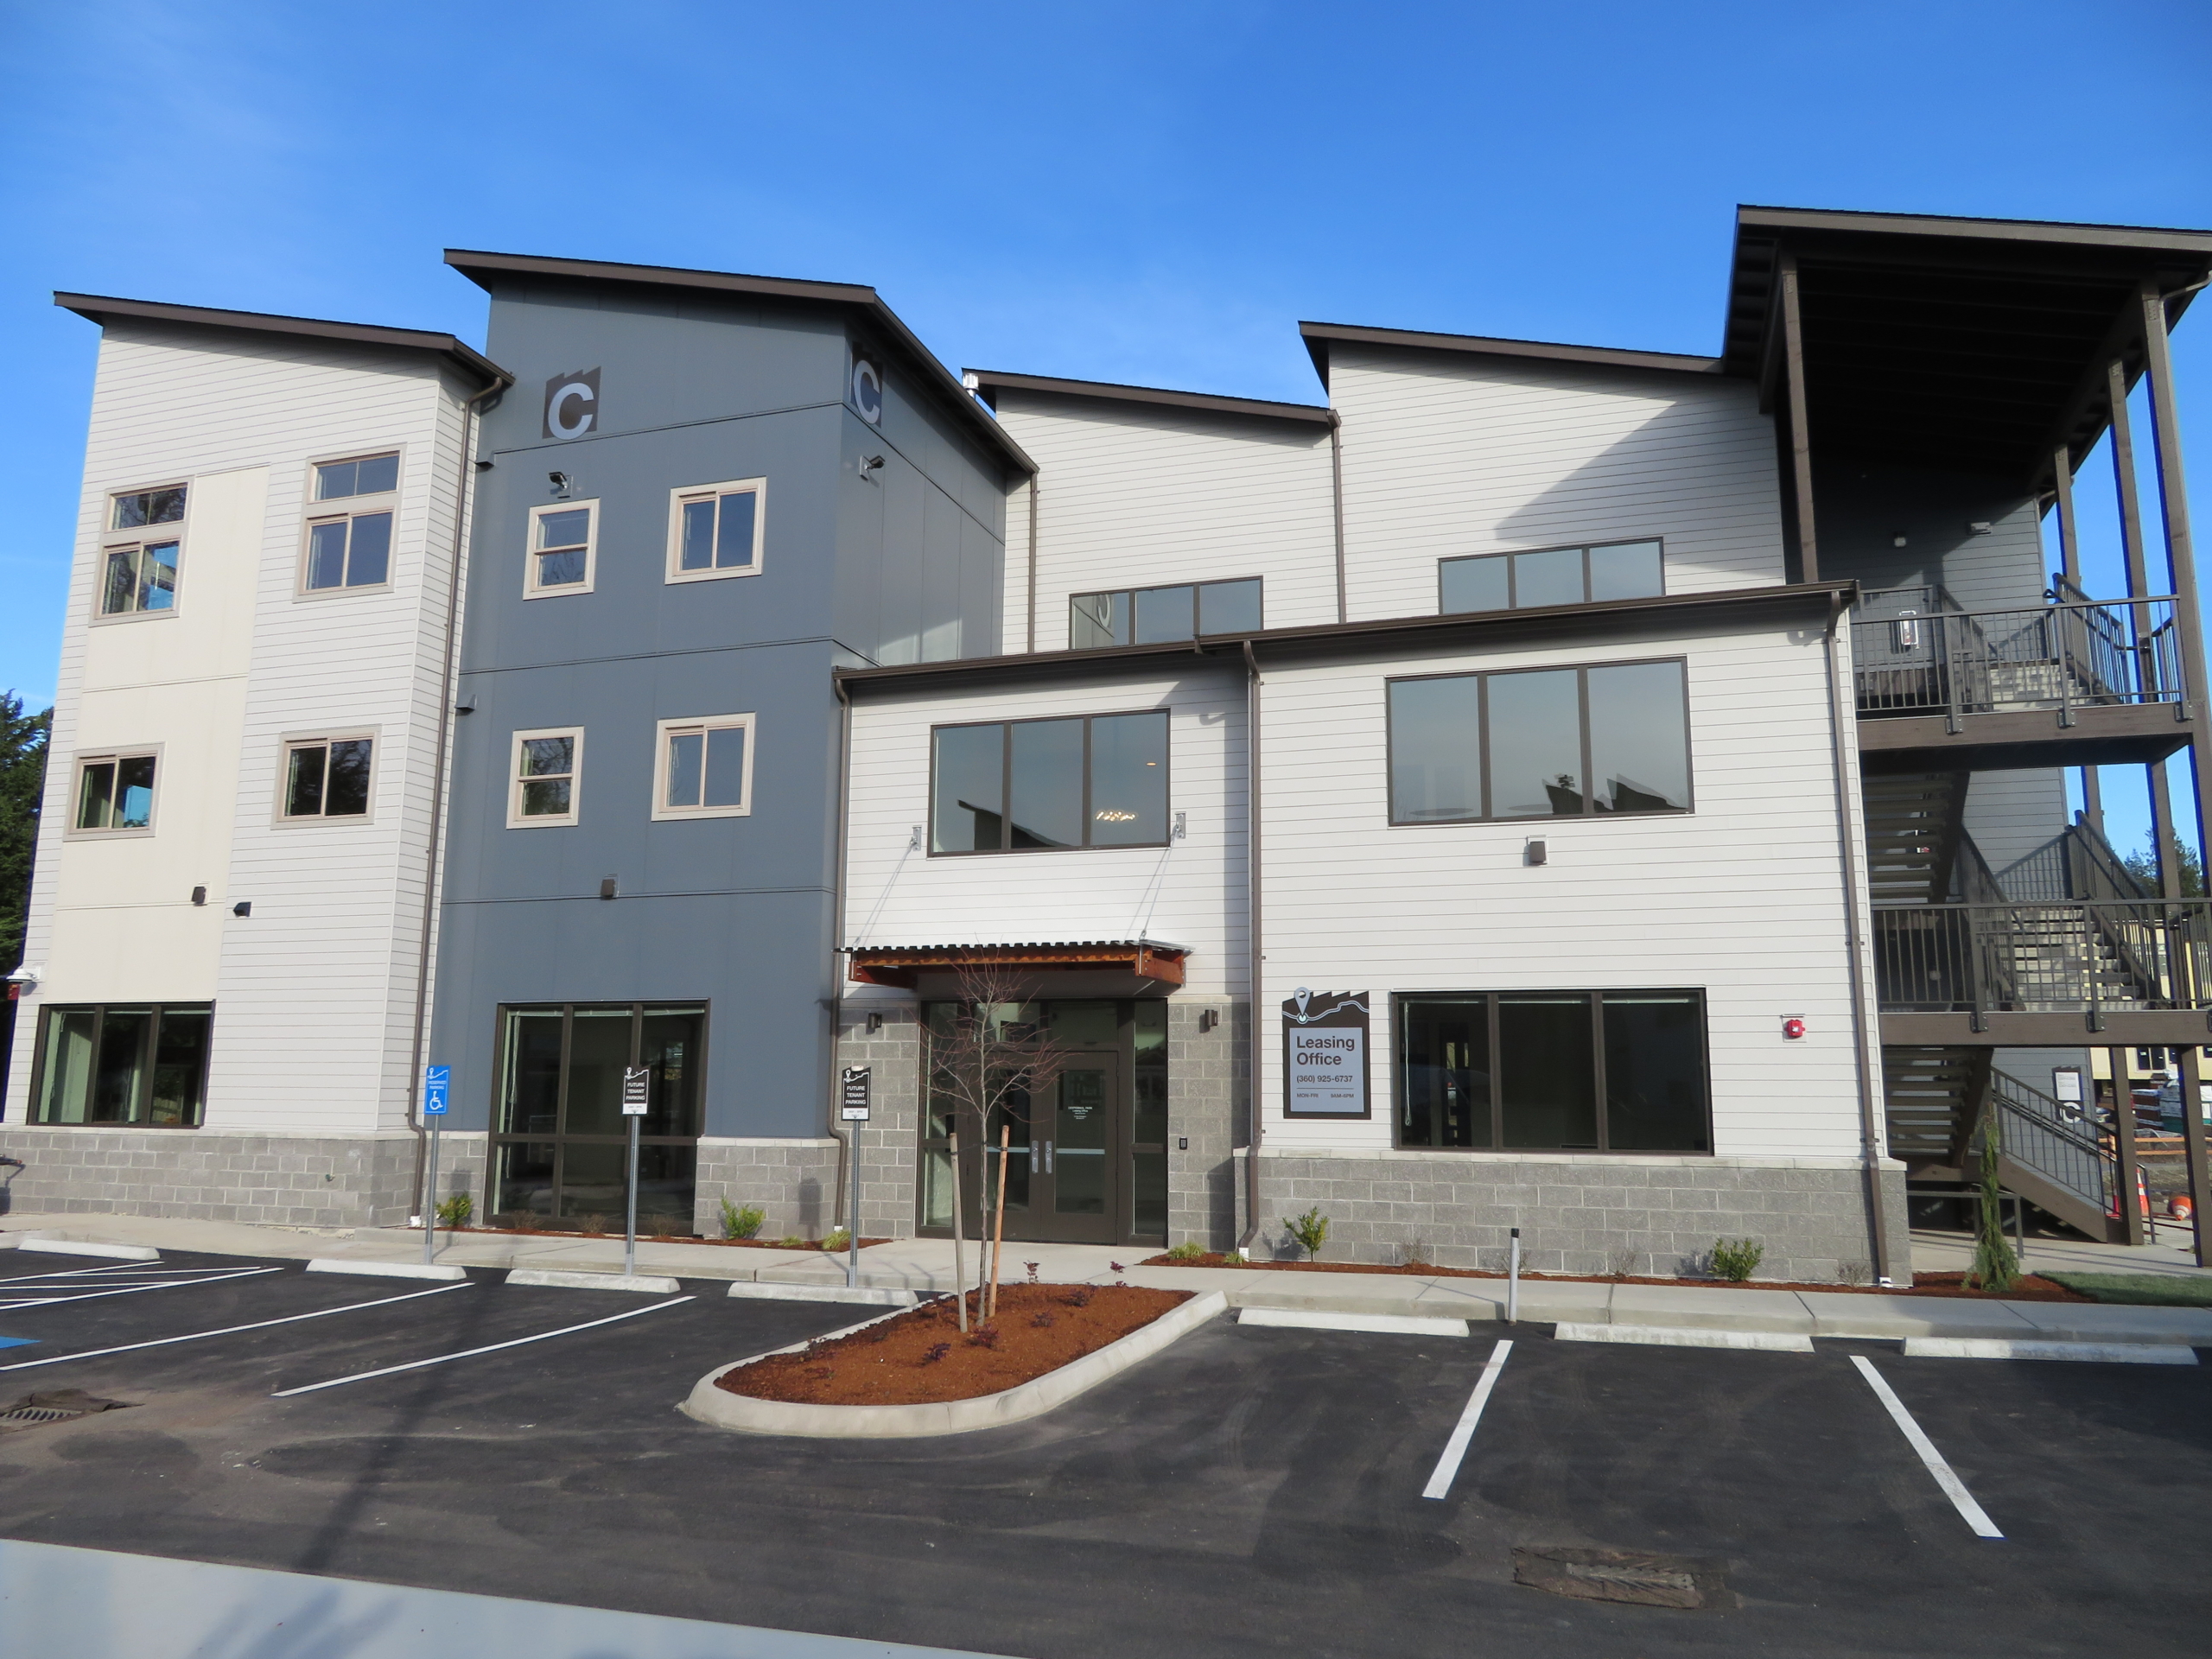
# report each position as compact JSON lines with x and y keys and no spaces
{"x":436,"y":1082}
{"x":636,"y":1083}
{"x":853,"y":1107}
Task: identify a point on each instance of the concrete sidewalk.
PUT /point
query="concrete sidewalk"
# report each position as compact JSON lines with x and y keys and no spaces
{"x":926,"y":1264}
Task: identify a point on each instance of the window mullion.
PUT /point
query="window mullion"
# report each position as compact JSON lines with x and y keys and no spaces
{"x":1497,"y":1073}
{"x":1597,"y":1069}
{"x":1582,"y":725}
{"x":1086,"y":774}
{"x":1482,"y":738}
{"x":1006,"y":786}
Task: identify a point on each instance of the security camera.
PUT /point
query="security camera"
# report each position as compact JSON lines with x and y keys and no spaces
{"x":870,"y":465}
{"x":558,"y":481}
{"x":25,"y":976}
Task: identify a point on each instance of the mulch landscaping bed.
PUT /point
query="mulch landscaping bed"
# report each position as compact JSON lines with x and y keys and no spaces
{"x":920,"y":1357}
{"x":2028,"y":1289}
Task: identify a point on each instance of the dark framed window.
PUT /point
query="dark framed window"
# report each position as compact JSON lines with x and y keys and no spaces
{"x":559,"y":1138}
{"x":142,"y":1066}
{"x":1598,"y":1071}
{"x":1525,"y":742}
{"x":327,"y":776}
{"x":1551,"y":576}
{"x":1049,"y":785}
{"x":1146,"y":616}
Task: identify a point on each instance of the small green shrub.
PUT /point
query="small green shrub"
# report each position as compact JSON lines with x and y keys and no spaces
{"x":1189,"y":1250}
{"x":838,"y":1240}
{"x":1738,"y":1259}
{"x":741,"y":1222}
{"x":456,"y":1210}
{"x":792,"y":1242}
{"x":1310,"y":1230}
{"x":1234,"y":1259}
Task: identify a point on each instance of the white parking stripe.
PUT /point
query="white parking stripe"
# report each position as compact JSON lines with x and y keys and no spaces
{"x":82,"y":1272}
{"x":233,"y":1330}
{"x":132,"y":1290}
{"x":488,"y":1348}
{"x":1463,"y":1431}
{"x":1953,"y":1488}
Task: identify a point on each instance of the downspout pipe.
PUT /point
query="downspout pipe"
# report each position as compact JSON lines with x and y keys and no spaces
{"x":1869,"y":1134}
{"x":1254,"y":972}
{"x":462,"y":502}
{"x":848,"y":1165}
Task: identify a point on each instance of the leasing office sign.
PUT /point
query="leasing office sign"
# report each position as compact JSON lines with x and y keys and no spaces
{"x":1324,"y":1054}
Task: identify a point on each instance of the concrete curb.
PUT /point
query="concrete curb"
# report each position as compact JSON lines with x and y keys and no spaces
{"x":721,"y":1408}
{"x":1382,"y":1324}
{"x":2111,"y":1353}
{"x":75,"y":1246}
{"x":645,"y":1284}
{"x":866,"y":1295}
{"x":386,"y":1269}
{"x":1686,"y":1336}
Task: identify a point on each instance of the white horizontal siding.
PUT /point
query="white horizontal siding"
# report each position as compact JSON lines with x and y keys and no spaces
{"x":1458,"y":455}
{"x":1136,"y":495}
{"x":1742,"y":898}
{"x":1192,"y":893}
{"x":314,"y":991}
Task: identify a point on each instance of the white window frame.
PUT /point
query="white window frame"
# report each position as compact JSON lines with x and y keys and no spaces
{"x":529,"y":555}
{"x":757,"y":487}
{"x":135,"y":537}
{"x":667,"y":728}
{"x":348,"y":508}
{"x":115,"y":756}
{"x":372,"y":735}
{"x":515,"y":818}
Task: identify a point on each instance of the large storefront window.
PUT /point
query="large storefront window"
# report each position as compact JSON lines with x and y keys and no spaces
{"x":1555,"y":1071}
{"x":143,"y":1066}
{"x":1086,"y":1157}
{"x":560,"y":1146}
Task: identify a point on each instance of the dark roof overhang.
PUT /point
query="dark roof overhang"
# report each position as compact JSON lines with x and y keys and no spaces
{"x":1677,"y":613}
{"x":1318,"y":336}
{"x":900,"y":964}
{"x":989,"y":382}
{"x":101,"y":309}
{"x":1972,"y":344}
{"x":861,"y":303}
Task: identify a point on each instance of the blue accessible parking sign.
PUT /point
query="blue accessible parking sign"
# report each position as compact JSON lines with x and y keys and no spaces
{"x":434,"y":1079}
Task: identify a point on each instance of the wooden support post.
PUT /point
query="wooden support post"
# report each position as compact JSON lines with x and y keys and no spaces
{"x":2123,"y":1141}
{"x":2181,"y":552}
{"x":2192,"y":1140}
{"x":1800,"y":451}
{"x":2062,"y":508}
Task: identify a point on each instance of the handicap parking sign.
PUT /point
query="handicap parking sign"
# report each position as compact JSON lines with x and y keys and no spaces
{"x":435,"y":1081}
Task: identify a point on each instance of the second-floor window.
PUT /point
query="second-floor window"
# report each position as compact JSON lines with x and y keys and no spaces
{"x":114,"y":791}
{"x":1528,"y":743}
{"x":1146,"y":616}
{"x":139,"y":550}
{"x":1551,"y":576}
{"x":563,"y":545}
{"x":349,"y":524}
{"x":327,"y":777}
{"x":1040,"y":786}
{"x":542,"y":780}
{"x":705,"y":768}
{"x":716,"y":530}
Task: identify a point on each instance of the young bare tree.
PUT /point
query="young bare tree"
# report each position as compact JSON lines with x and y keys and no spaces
{"x":985,"y":1070}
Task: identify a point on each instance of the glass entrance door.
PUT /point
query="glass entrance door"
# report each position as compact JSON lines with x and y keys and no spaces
{"x":1077,"y":1190}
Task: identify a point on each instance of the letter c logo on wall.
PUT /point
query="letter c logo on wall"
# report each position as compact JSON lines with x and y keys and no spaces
{"x":572,"y":404}
{"x":867,"y":391}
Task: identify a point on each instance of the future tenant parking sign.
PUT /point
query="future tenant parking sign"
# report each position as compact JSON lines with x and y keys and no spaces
{"x":1324,"y":1054}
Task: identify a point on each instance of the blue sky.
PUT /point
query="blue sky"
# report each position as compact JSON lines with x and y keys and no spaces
{"x":1141,"y":193}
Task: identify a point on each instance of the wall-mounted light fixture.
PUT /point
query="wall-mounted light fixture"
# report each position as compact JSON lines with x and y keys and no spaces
{"x":1209,"y":1018}
{"x":609,"y":886}
{"x":1896,"y":538}
{"x":244,"y":908}
{"x":200,"y":895}
{"x":1980,"y":527}
{"x":874,"y":1023}
{"x":1534,"y":852}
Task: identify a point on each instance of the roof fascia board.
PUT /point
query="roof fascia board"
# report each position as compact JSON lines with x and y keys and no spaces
{"x":990,"y":380}
{"x":2190,"y":244}
{"x":98,"y":308}
{"x":470,"y":262}
{"x":1317,"y":334}
{"x":1733,"y":606}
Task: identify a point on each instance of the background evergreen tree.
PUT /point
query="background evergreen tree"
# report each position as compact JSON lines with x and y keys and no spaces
{"x":23,"y":781}
{"x":2144,"y":866}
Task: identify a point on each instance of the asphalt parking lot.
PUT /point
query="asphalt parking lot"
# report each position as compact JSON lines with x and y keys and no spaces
{"x":1252,"y":1490}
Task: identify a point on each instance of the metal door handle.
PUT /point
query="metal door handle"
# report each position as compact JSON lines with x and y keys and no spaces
{"x":1048,"y":1157}
{"x":1036,"y":1156}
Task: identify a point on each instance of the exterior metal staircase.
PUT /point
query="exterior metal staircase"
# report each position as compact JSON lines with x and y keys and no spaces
{"x":1914,"y":823}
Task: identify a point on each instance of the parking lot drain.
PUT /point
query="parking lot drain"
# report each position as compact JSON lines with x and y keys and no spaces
{"x":1633,"y":1576}
{"x":61,"y":1405}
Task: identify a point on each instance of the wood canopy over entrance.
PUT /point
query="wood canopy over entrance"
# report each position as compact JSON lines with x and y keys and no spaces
{"x":899,"y":964}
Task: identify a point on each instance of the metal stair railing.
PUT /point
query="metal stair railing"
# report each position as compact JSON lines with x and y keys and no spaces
{"x":2035,"y":1133}
{"x":2068,"y":654}
{"x":2047,"y":956}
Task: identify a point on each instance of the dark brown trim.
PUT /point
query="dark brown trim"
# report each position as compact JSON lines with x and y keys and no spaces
{"x":1735,"y":606}
{"x":482,"y":269}
{"x":2102,"y":735}
{"x":988,"y":381}
{"x":149,"y":1047}
{"x":1800,"y":452}
{"x":1318,"y":335}
{"x":2070,"y":233}
{"x":2171,"y":1027}
{"x":900,"y":964}
{"x":102,"y":310}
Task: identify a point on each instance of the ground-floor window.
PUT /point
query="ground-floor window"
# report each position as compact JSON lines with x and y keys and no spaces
{"x":560,"y":1144}
{"x":1086,"y":1157}
{"x":1555,"y":1070}
{"x":143,"y":1064}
